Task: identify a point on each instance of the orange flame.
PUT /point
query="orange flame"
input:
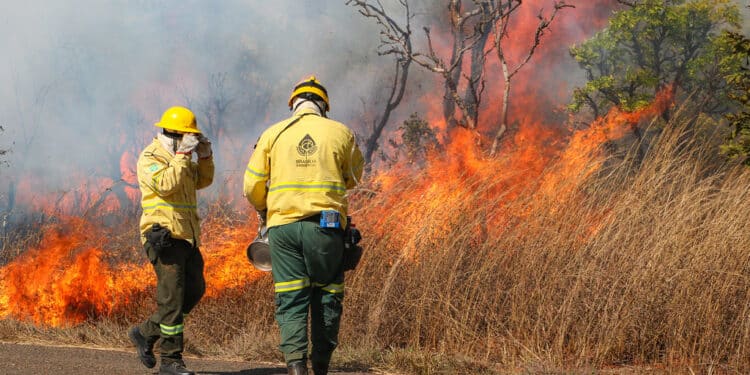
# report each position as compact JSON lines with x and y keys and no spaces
{"x":579,"y":159}
{"x":68,"y":278}
{"x":538,"y":166}
{"x":65,"y":279}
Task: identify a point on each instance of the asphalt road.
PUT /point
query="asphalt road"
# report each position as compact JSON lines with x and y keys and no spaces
{"x":28,"y":359}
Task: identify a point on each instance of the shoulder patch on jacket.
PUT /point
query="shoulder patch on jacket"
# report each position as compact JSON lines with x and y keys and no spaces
{"x":153,"y":167}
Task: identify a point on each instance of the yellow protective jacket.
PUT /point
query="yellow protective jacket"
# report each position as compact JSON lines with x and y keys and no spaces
{"x":168,"y":191}
{"x":312,"y":164}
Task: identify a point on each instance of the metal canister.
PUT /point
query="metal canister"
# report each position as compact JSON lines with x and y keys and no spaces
{"x":259,"y":252}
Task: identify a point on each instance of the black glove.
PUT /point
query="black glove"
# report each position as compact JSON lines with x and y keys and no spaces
{"x":352,"y":252}
{"x":351,"y":257}
{"x":355,"y":236}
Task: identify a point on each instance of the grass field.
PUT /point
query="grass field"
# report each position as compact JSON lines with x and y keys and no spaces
{"x":588,"y":264}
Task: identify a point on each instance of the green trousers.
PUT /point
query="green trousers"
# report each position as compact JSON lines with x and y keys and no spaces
{"x":179,"y":287}
{"x":308,"y":276}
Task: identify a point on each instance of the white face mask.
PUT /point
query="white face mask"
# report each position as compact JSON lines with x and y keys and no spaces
{"x":171,"y":144}
{"x":316,"y":105}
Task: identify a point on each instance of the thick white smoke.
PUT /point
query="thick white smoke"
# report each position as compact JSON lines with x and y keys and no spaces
{"x":84,"y":81}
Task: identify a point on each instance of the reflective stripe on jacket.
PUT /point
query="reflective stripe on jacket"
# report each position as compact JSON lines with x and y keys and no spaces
{"x":311,"y":165}
{"x":168,"y":185}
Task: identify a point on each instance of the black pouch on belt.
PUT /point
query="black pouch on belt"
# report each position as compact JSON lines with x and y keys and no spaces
{"x":352,"y":251}
{"x":159,"y":238}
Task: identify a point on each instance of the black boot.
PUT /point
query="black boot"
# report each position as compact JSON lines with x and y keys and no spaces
{"x":176,"y":367}
{"x":320,"y":368}
{"x":297,"y":368}
{"x":143,"y":347}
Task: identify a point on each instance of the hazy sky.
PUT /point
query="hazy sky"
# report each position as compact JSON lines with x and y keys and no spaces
{"x":84,"y":81}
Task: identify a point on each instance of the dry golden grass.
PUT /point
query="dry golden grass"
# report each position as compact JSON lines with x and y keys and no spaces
{"x":641,"y":268}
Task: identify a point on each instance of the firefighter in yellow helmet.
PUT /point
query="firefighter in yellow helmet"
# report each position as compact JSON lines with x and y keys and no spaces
{"x":170,"y":233}
{"x":297,"y":179}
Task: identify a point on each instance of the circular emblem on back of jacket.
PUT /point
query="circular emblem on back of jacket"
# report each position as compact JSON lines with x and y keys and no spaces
{"x":307,"y":146}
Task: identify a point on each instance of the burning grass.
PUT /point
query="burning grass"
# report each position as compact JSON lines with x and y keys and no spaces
{"x":617,"y":268}
{"x":486,"y":266}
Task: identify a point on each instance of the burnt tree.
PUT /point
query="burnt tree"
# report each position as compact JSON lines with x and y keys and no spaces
{"x":394,"y":40}
{"x":472,"y":23}
{"x":501,"y":33}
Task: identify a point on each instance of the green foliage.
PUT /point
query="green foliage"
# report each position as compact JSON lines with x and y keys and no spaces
{"x":416,"y":138}
{"x":654,"y":44}
{"x":738,"y":144}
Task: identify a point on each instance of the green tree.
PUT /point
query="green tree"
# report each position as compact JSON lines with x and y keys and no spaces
{"x":738,"y":144}
{"x":654,"y":44}
{"x":417,"y":138}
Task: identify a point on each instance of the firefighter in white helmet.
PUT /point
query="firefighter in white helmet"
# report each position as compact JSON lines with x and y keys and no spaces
{"x":170,"y":233}
{"x":297,"y":178}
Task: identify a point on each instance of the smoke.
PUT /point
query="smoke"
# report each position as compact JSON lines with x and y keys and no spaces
{"x":86,"y":80}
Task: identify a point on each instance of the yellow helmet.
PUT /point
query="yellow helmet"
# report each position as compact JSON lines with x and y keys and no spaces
{"x":312,"y":86}
{"x":178,"y":119}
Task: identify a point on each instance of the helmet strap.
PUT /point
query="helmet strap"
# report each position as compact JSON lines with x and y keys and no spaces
{"x":299,"y":102}
{"x":322,"y":111}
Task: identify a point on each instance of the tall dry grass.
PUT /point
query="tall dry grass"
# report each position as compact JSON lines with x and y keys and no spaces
{"x":644,"y":263}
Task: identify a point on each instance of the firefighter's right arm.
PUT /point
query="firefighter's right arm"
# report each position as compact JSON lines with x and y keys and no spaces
{"x":163,"y":178}
{"x":353,"y":165}
{"x":256,"y":177}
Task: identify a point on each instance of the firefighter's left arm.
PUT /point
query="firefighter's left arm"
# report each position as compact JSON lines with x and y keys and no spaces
{"x":257,"y":175}
{"x":353,"y":165}
{"x":160,"y":175}
{"x":205,"y":172}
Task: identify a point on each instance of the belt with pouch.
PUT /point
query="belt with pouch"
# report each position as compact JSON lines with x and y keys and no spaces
{"x":317,"y":218}
{"x":313,"y":219}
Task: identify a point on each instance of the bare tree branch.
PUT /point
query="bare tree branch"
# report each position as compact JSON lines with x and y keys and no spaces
{"x":543,"y":25}
{"x":501,"y":30}
{"x":470,"y":28}
{"x":395,"y":40}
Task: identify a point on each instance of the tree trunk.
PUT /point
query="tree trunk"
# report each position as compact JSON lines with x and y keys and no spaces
{"x":397,"y":93}
{"x":506,"y":103}
{"x":473,"y":91}
{"x":452,"y":77}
